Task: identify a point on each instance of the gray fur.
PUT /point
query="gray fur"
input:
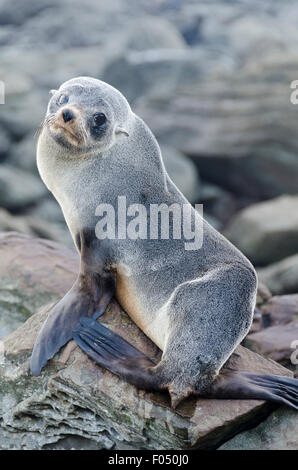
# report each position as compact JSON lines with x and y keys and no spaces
{"x":205,"y":298}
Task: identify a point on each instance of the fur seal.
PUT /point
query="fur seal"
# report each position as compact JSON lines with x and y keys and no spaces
{"x":196,"y":305}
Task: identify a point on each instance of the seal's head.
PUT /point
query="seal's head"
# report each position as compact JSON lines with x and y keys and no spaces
{"x":87,"y":114}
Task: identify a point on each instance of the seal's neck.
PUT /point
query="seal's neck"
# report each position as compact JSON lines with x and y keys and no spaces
{"x":133,"y":161}
{"x":139,"y":151}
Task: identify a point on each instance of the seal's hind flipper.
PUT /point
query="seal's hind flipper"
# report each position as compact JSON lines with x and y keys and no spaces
{"x":112,"y":352}
{"x":88,"y":297}
{"x":276,"y":388}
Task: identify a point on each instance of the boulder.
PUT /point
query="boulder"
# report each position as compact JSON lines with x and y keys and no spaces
{"x":48,"y":209}
{"x":151,"y":33}
{"x":41,"y":53}
{"x":23,"y":112}
{"x":278,"y":432}
{"x":92,"y":25}
{"x":14,"y":13}
{"x":281,"y":277}
{"x":247,"y":134}
{"x":281,"y":309}
{"x":267,"y":231}
{"x":43,"y":226}
{"x":218,"y":203}
{"x":230,"y":111}
{"x":47,"y":28}
{"x":253,"y":28}
{"x":263,"y":293}
{"x":75,"y":403}
{"x":8,"y":223}
{"x":23,"y":153}
{"x":4,"y":143}
{"x":158,"y":73}
{"x":259,"y":319}
{"x":19,"y":188}
{"x":183,"y":172}
{"x":278,"y":343}
{"x":31,"y":271}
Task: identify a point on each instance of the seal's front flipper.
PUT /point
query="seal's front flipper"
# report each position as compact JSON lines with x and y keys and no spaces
{"x":245,"y":385}
{"x":89,"y":296}
{"x":112,"y":352}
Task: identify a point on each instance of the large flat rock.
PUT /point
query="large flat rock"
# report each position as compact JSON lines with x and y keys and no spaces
{"x":281,"y":277}
{"x":74,"y":402}
{"x":266,"y":231}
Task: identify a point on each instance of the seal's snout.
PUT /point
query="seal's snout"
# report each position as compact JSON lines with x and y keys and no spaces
{"x":67,"y":126}
{"x":67,"y":115}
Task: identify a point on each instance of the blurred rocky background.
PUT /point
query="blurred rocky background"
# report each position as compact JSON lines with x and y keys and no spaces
{"x":212,"y":80}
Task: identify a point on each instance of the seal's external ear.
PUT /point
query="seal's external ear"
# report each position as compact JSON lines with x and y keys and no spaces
{"x":52,"y":92}
{"x":120,"y":130}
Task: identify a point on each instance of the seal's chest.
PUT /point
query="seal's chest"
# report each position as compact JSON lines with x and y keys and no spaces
{"x":129,"y":299}
{"x":137,"y":308}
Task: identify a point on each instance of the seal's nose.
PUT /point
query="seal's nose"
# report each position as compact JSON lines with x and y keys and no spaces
{"x":67,"y":115}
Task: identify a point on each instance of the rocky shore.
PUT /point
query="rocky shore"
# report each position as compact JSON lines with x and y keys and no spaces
{"x":75,"y":403}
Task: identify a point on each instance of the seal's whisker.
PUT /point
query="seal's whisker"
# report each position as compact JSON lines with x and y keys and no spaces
{"x":83,"y":133}
{"x":47,"y":120}
{"x":39,"y":129}
{"x":50,"y":118}
{"x":85,"y":136}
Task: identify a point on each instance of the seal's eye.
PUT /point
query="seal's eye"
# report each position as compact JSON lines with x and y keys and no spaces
{"x":99,"y":120}
{"x":63,"y":99}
